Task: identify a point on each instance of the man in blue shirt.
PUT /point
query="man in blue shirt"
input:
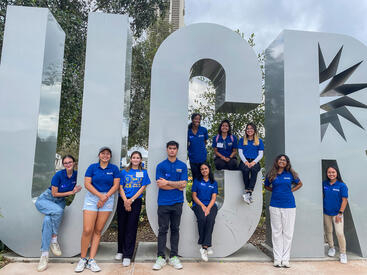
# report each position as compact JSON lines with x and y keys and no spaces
{"x":171,"y":177}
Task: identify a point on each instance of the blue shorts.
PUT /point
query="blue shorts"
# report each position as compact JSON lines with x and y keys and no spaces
{"x":91,"y":200}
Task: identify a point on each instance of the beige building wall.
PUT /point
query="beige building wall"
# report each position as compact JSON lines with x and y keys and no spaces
{"x":176,"y":13}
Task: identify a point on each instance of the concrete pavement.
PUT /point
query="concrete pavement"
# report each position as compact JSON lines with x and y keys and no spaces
{"x":213,"y":268}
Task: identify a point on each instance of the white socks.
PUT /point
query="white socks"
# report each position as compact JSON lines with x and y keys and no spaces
{"x":44,"y":253}
{"x":54,"y":240}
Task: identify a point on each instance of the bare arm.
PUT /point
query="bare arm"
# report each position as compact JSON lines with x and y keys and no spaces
{"x":55,"y":191}
{"x":196,"y":200}
{"x":344,"y":204}
{"x":88,"y":185}
{"x":234,"y":152}
{"x":212,"y":201}
{"x":298,"y":186}
{"x":170,"y":185}
{"x":268,"y":188}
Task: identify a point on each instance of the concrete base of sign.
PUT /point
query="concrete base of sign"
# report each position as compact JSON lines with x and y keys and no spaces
{"x":350,"y":255}
{"x":147,"y":252}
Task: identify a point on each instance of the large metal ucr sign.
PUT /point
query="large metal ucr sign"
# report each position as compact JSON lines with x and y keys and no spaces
{"x":301,"y":68}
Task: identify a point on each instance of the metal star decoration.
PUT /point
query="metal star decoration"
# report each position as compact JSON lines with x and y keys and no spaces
{"x":338,"y":89}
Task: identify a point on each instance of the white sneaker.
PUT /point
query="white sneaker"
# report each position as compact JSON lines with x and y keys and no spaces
{"x":246,"y":198}
{"x":210,"y":251}
{"x":277,"y":263}
{"x":81,"y":265}
{"x":159,"y":263}
{"x":92,"y":265}
{"x":331,"y":252}
{"x":175,"y":262}
{"x":42,"y":264}
{"x":286,"y":264}
{"x":343,"y":258}
{"x":204,"y":254}
{"x":55,"y":249}
{"x":126,"y":262}
{"x":118,"y":256}
{"x":250,"y":198}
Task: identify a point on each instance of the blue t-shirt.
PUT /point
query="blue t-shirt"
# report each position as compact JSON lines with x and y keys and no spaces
{"x":333,"y":194}
{"x":225,"y":147}
{"x":63,"y":182}
{"x":251,"y":151}
{"x":133,"y":180}
{"x":196,"y":145}
{"x":172,"y":171}
{"x":102,"y":179}
{"x":282,"y":195}
{"x":204,"y":190}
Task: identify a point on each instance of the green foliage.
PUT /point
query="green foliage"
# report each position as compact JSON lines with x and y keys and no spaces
{"x":73,"y":17}
{"x":205,"y":105}
{"x":143,"y":54}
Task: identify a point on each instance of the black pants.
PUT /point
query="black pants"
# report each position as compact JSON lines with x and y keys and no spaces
{"x":127,"y":227}
{"x":169,"y":215}
{"x":195,"y":170}
{"x":221,"y":164}
{"x":205,"y":224}
{"x":249,"y":175}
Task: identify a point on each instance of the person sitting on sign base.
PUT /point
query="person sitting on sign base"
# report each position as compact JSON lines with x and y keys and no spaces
{"x":52,"y":204}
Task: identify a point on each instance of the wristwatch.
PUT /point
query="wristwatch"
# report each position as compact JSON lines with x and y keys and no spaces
{"x":340,"y":212}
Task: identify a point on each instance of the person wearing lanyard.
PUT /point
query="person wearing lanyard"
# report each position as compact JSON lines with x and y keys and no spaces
{"x":335,"y":193}
{"x":250,"y":149}
{"x":204,"y":194}
{"x":134,"y":180}
{"x":51,"y":203}
{"x":282,"y":181}
{"x":171,"y":177}
{"x":225,"y":147}
{"x":102,"y":181}
{"x":196,"y":144}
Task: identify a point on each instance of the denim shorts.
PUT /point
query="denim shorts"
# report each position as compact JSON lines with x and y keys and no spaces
{"x":91,"y":200}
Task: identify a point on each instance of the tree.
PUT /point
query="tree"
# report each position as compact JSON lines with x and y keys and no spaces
{"x":73,"y":17}
{"x":143,"y":54}
{"x":205,"y":105}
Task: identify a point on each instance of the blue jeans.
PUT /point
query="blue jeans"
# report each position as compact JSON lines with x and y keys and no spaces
{"x":53,"y":208}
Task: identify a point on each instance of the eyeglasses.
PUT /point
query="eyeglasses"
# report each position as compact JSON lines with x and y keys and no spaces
{"x":283,"y":160}
{"x":67,"y":163}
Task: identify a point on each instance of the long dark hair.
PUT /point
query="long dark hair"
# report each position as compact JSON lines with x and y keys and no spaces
{"x":131,"y":165}
{"x":211,"y":177}
{"x":192,"y":118}
{"x":274,"y":170}
{"x":229,"y":127}
{"x":67,"y":156}
{"x":338,"y":177}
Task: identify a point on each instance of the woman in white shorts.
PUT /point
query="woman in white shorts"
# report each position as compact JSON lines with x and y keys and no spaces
{"x":102,"y":180}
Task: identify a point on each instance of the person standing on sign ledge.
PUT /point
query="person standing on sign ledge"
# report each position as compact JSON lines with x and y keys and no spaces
{"x":134,"y":180}
{"x":335,"y":193}
{"x":204,"y":194}
{"x":250,"y":149}
{"x":102,"y":179}
{"x":196,"y":144}
{"x":225,"y":147}
{"x":282,"y":181}
{"x":52,"y":204}
{"x":171,"y":177}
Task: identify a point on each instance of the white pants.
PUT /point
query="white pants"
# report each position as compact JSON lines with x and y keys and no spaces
{"x":282,"y":226}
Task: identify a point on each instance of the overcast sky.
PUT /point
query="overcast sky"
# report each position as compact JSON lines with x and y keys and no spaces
{"x":267,"y":18}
